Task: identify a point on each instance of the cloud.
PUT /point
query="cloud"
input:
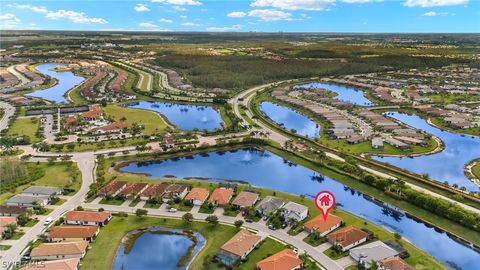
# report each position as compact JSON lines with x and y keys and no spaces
{"x":9,"y":21}
{"x":37,"y":9}
{"x":269,"y":14}
{"x":179,"y":2}
{"x":232,"y":28}
{"x":75,"y":17}
{"x":433,"y":13}
{"x":163,"y":20}
{"x":237,"y":14}
{"x":141,"y":8}
{"x":190,"y":24}
{"x":294,"y":4}
{"x":183,"y":16}
{"x":360,"y":1}
{"x":433,"y":3}
{"x":177,"y":8}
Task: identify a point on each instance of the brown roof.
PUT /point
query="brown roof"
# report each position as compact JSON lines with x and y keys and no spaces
{"x":113,"y":186}
{"x":90,"y":216}
{"x":241,"y":243}
{"x":197,"y":193}
{"x":4,"y":221}
{"x":395,"y":263}
{"x":94,"y":112}
{"x":73,"y":231}
{"x":62,"y":248}
{"x":283,"y":260}
{"x":245,"y":198}
{"x":67,"y":264}
{"x":221,"y":195}
{"x":346,"y":236}
{"x":155,"y":190}
{"x":12,"y":209}
{"x":112,"y":126}
{"x":133,"y":188}
{"x":317,"y":223}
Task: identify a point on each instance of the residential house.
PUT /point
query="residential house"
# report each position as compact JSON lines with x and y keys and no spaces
{"x":154,"y":191}
{"x":61,"y":250}
{"x":245,"y":199}
{"x":94,"y":114}
{"x":12,"y":210}
{"x":133,"y":189}
{"x":324,"y":227}
{"x":4,"y":221}
{"x":72,"y":233}
{"x":27,"y":200}
{"x":238,"y":248}
{"x":67,"y":264}
{"x":294,"y":210}
{"x":42,"y":191}
{"x":175,"y":191}
{"x":269,"y":205}
{"x":286,"y":259}
{"x":221,"y":196}
{"x":375,"y":251}
{"x":394,"y":263}
{"x":197,"y":196}
{"x":87,"y":218}
{"x":115,"y":127}
{"x":347,"y":238}
{"x":112,"y":188}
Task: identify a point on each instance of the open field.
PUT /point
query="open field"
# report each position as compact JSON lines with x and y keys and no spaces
{"x":25,"y":127}
{"x":152,"y":121}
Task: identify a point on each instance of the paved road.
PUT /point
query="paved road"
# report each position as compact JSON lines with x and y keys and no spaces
{"x":9,"y":111}
{"x":315,"y":252}
{"x":23,"y":80}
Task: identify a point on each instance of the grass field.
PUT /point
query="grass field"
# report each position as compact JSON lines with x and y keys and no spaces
{"x":25,"y":127}
{"x":152,"y":121}
{"x":476,"y":169}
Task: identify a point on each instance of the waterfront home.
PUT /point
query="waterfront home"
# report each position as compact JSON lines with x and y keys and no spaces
{"x":286,"y":259}
{"x":28,"y":200}
{"x":154,"y":191}
{"x":72,"y":233}
{"x":112,"y":188}
{"x":175,"y":191}
{"x":197,"y":196}
{"x":42,"y":191}
{"x":87,"y":218}
{"x":269,"y":205}
{"x":347,"y":238}
{"x":245,"y":199}
{"x":61,"y":250}
{"x":324,"y":227}
{"x":394,"y":263}
{"x":294,"y":210}
{"x":12,"y":210}
{"x":375,"y":251}
{"x":377,"y":142}
{"x":67,"y":264}
{"x":133,"y":189}
{"x":238,"y":248}
{"x":221,"y":196}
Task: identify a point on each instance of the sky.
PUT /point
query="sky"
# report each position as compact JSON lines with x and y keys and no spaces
{"x":436,"y":16}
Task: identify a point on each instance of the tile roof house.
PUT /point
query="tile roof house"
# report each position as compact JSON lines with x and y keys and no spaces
{"x":67,"y":264}
{"x":28,"y":200}
{"x":221,"y":196}
{"x":88,"y":218}
{"x":115,"y":127}
{"x":175,"y":190}
{"x":238,"y":247}
{"x":324,"y":227}
{"x":269,"y":205}
{"x":12,"y":210}
{"x":42,"y":191}
{"x":197,"y":195}
{"x":374,"y":251}
{"x":245,"y":199}
{"x":286,"y":259}
{"x":4,"y":221}
{"x":72,"y":233}
{"x":394,"y":263}
{"x":112,"y":188}
{"x":133,"y":189}
{"x":347,"y":238}
{"x":95,"y":113}
{"x":294,"y":210}
{"x":154,"y":191}
{"x":62,"y":250}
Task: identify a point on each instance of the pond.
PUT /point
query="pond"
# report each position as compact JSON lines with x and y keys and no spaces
{"x":65,"y":82}
{"x":290,"y":119}
{"x":157,"y":251}
{"x":344,"y":93}
{"x":446,"y":165}
{"x":265,"y":169}
{"x":186,"y":117}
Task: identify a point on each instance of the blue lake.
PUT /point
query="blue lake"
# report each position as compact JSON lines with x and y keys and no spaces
{"x":265,"y":169}
{"x":344,"y":93}
{"x":156,"y":251}
{"x":186,"y":117}
{"x":65,"y":82}
{"x":446,"y":165}
{"x":290,"y":119}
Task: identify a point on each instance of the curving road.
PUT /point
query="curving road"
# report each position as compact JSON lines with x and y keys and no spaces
{"x":9,"y":111}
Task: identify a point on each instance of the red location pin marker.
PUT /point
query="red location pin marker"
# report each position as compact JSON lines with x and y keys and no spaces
{"x":325,"y":201}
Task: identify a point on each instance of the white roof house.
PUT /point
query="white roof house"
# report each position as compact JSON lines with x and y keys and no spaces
{"x":294,"y":210}
{"x":374,"y":251}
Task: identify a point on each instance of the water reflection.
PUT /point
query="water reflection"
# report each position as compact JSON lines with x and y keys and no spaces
{"x":344,"y":93}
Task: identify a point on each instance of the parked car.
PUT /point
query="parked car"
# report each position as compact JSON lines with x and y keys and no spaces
{"x":284,"y":225}
{"x":249,"y":220}
{"x":26,"y":257}
{"x":48,"y":221}
{"x":265,"y":218}
{"x":172,"y":210}
{"x":271,"y":227}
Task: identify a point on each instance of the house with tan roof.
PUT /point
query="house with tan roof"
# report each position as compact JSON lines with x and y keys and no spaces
{"x":394,"y":263}
{"x":347,"y":238}
{"x":238,"y":247}
{"x":324,"y":227}
{"x":67,"y":264}
{"x":154,"y":191}
{"x":197,"y":195}
{"x":133,"y":189}
{"x":245,"y":199}
{"x":221,"y":196}
{"x":61,"y":250}
{"x":115,"y":127}
{"x":175,"y":191}
{"x":87,"y":218}
{"x":73,"y":233}
{"x":286,"y":259}
{"x":94,"y":114}
{"x":112,"y":188}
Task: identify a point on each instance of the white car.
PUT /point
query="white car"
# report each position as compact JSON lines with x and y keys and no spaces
{"x":48,"y":221}
{"x":172,"y":210}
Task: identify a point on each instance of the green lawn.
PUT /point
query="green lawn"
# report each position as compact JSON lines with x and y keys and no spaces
{"x":5,"y":247}
{"x":17,"y":235}
{"x":152,"y":205}
{"x":267,"y":248}
{"x":152,"y":121}
{"x":25,"y":127}
{"x":102,"y":253}
{"x":476,"y":169}
{"x":112,"y":202}
{"x":332,"y":253}
{"x":311,"y":240}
